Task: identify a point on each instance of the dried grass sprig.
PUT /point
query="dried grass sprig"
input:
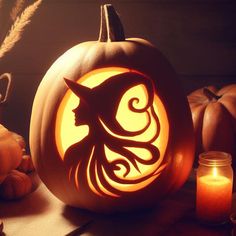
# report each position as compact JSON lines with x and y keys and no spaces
{"x":17,"y":28}
{"x":1,"y":3}
{"x":18,"y":7}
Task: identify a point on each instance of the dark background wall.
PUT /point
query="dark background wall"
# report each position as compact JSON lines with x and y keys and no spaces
{"x":197,"y":36}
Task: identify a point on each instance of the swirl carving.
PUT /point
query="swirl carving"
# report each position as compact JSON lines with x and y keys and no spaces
{"x":114,"y":158}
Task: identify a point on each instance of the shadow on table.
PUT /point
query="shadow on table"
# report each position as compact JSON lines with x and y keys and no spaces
{"x":34,"y":203}
{"x":174,"y":216}
{"x":151,"y":222}
{"x":134,"y":223}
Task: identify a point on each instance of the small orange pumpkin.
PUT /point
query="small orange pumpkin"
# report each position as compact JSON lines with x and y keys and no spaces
{"x":214,"y":118}
{"x":10,"y":152}
{"x":131,"y":141}
{"x":26,"y":164}
{"x":16,"y":185}
{"x":20,"y":140}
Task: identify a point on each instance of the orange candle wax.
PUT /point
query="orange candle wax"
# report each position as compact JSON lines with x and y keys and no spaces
{"x":214,"y":198}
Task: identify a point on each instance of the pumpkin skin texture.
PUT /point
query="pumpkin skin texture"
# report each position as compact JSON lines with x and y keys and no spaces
{"x":10,"y":152}
{"x":132,"y":57}
{"x":16,"y":185}
{"x":214,"y":118}
{"x":20,"y":140}
{"x":26,"y":164}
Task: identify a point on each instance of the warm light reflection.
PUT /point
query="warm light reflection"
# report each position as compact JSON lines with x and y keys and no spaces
{"x":140,"y":174}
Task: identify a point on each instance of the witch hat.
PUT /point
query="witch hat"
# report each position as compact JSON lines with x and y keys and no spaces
{"x":79,"y":90}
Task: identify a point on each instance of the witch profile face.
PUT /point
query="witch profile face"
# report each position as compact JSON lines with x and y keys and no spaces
{"x":81,"y":113}
{"x":102,"y":101}
{"x":76,"y":113}
{"x":91,"y":157}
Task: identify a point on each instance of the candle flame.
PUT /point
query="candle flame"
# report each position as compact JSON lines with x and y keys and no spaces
{"x":215,"y":172}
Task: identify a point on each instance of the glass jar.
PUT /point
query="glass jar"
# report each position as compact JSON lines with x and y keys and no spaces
{"x":214,"y":187}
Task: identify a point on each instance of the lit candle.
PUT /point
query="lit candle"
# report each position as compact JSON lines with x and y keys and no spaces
{"x":214,"y":187}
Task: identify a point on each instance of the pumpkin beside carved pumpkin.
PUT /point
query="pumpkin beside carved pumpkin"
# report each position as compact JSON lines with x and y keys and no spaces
{"x":16,"y":185}
{"x":214,"y":118}
{"x":10,"y":152}
{"x":17,"y":177}
{"x":26,"y":165}
{"x":131,"y":141}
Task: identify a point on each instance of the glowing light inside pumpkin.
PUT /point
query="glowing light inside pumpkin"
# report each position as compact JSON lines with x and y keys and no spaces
{"x":68,"y":134}
{"x":135,"y":121}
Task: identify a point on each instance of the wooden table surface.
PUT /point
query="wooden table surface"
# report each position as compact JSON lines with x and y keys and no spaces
{"x":41,"y":214}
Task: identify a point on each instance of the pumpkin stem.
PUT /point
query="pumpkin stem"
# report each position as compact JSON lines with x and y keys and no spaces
{"x":111,"y":29}
{"x":210,"y":95}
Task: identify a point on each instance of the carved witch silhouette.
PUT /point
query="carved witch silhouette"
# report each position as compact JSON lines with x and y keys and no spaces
{"x":87,"y":161}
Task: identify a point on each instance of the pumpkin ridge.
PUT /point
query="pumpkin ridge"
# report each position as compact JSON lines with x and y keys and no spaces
{"x":228,"y":109}
{"x":215,"y":124}
{"x":229,"y":89}
{"x":199,"y":143}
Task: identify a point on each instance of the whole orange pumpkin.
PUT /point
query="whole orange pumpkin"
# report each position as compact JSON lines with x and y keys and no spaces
{"x":131,"y":141}
{"x":214,"y":118}
{"x":16,"y":185}
{"x":10,"y":152}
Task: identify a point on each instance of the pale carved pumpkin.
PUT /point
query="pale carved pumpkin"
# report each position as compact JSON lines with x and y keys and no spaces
{"x":214,"y":117}
{"x":110,"y":128}
{"x":10,"y":152}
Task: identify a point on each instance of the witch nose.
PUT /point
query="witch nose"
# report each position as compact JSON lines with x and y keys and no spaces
{"x":75,"y":109}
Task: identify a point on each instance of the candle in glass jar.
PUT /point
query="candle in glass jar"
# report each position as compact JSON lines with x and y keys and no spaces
{"x":214,"y":187}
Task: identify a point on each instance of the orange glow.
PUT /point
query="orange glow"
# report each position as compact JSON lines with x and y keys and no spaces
{"x":70,"y":171}
{"x":76,"y":179}
{"x":103,"y":189}
{"x":135,"y":121}
{"x":67,"y":134}
{"x":130,"y":187}
{"x":88,"y":175}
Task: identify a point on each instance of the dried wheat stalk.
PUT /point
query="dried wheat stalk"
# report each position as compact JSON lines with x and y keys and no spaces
{"x":1,"y":3}
{"x":18,"y":7}
{"x":17,"y":28}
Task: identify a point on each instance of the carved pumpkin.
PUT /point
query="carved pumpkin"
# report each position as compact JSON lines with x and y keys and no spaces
{"x":110,"y":128}
{"x":214,"y":118}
